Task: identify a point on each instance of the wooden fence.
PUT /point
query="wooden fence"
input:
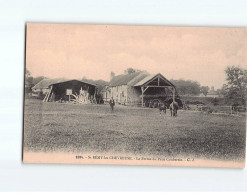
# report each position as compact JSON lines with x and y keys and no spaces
{"x":219,"y":109}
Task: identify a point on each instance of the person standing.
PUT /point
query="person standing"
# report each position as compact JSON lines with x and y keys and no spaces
{"x":112,"y":103}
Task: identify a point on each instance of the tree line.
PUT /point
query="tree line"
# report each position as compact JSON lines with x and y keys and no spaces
{"x":234,"y":90}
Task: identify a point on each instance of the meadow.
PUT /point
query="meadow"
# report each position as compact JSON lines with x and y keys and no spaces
{"x":58,"y":127}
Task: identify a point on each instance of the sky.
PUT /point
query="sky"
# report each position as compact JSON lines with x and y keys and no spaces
{"x":93,"y":51}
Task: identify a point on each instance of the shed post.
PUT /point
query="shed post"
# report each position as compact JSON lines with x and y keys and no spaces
{"x":106,"y":94}
{"x":173,"y":100}
{"x":142,"y":88}
{"x":173,"y":94}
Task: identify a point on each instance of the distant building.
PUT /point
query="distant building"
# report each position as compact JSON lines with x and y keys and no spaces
{"x":43,"y":86}
{"x":212,"y":93}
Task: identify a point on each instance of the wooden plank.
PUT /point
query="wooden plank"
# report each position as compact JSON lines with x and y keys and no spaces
{"x":45,"y":97}
{"x":158,"y":86}
{"x":49,"y":93}
{"x":145,"y":89}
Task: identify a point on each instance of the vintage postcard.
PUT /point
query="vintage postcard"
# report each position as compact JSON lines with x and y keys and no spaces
{"x":135,"y":95}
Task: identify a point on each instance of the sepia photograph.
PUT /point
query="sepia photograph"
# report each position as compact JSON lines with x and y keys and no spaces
{"x":135,"y":95}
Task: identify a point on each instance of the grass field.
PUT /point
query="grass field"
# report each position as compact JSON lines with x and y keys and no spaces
{"x":138,"y":131}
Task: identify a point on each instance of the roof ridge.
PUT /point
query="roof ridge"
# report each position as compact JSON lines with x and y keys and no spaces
{"x":123,"y":79}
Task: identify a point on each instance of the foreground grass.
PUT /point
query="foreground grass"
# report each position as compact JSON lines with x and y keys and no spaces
{"x":138,"y":131}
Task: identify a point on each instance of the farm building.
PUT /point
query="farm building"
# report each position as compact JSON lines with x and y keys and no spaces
{"x":138,"y":88}
{"x":65,"y":90}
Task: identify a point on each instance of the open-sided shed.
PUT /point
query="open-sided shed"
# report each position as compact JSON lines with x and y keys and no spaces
{"x":67,"y":90}
{"x":156,"y":86}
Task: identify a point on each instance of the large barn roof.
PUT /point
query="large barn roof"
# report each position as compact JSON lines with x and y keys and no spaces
{"x":130,"y":79}
{"x":45,"y":83}
{"x":151,"y":77}
{"x":146,"y":79}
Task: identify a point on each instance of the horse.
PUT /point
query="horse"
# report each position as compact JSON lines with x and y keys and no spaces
{"x":174,"y":108}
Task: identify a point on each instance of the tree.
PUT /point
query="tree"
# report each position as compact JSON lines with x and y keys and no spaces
{"x":204,"y":90}
{"x":187,"y":87}
{"x":27,"y":74}
{"x":130,"y":70}
{"x":28,"y":81}
{"x":236,"y":84}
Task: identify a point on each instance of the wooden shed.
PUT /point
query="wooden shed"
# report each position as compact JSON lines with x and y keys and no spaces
{"x":66,"y":90}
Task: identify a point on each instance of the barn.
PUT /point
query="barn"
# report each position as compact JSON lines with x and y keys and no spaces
{"x":66,"y":90}
{"x":139,"y":88}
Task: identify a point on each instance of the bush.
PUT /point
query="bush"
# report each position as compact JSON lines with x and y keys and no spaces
{"x":203,"y":100}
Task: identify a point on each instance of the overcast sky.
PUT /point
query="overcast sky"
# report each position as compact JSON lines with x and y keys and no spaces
{"x":93,"y":51}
